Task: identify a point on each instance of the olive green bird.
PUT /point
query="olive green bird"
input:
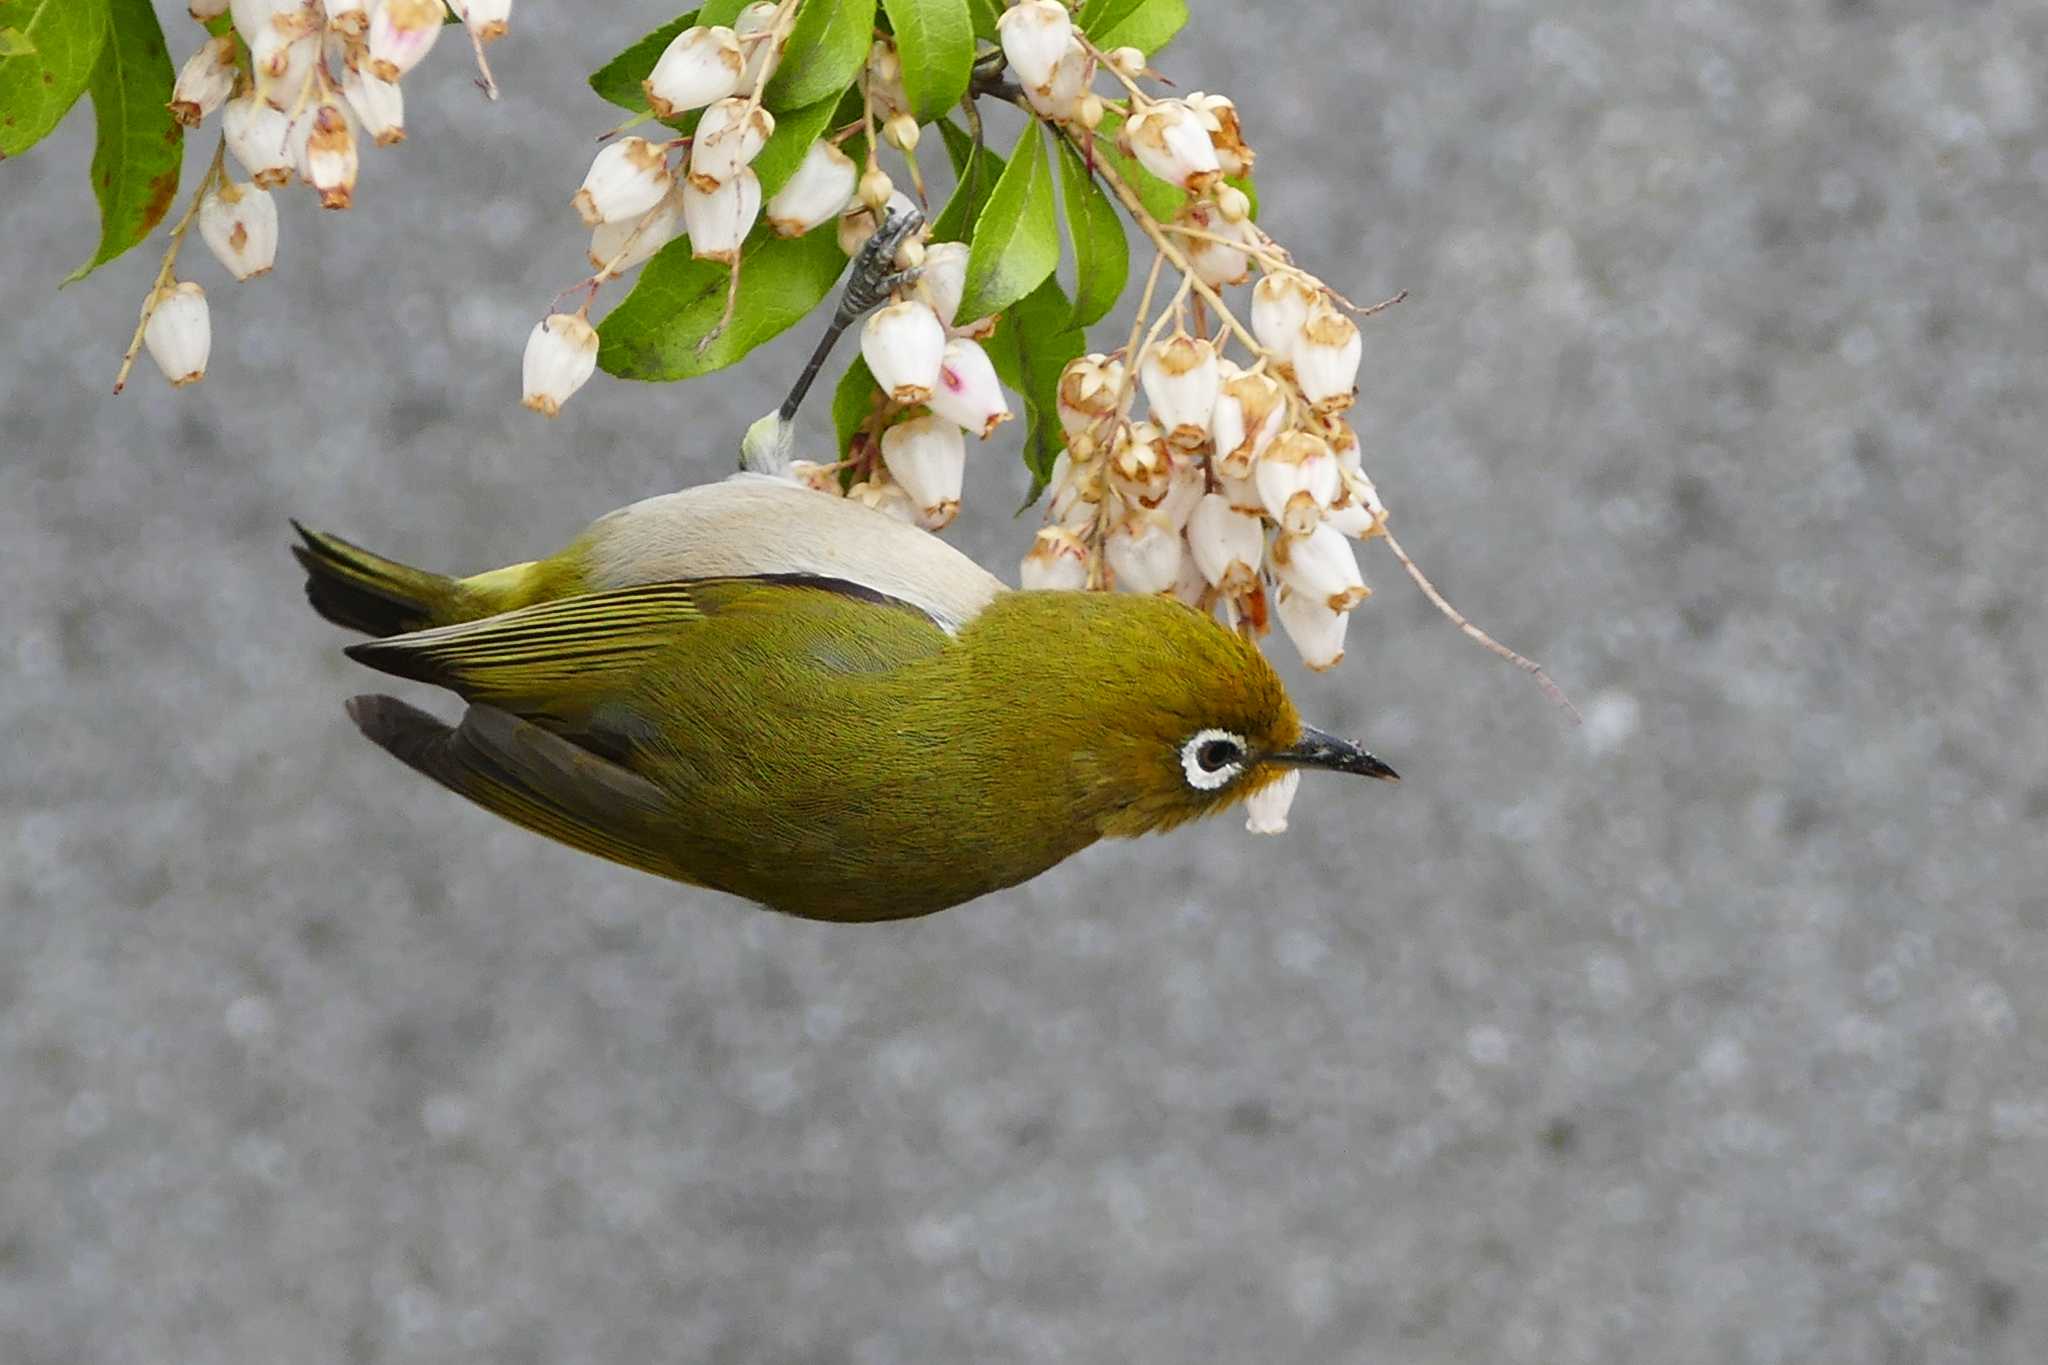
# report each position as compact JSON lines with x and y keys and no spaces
{"x":768,"y":691}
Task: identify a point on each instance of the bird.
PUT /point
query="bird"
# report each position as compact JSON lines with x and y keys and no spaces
{"x":758,"y":688}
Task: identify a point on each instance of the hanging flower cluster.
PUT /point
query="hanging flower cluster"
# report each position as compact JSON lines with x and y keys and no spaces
{"x":299,"y":86}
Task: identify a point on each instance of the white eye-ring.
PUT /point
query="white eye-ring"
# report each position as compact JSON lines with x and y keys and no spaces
{"x":1212,"y":758}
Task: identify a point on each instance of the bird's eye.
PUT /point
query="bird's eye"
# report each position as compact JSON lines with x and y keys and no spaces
{"x":1211,"y":759}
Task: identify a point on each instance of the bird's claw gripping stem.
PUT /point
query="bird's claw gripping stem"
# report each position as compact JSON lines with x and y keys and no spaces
{"x":875,"y":277}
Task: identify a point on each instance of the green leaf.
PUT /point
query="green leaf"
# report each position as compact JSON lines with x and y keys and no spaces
{"x":852,"y":401}
{"x":827,"y":49}
{"x":1030,"y":348}
{"x":1017,"y":240}
{"x":45,"y":65}
{"x":653,"y":333}
{"x":975,"y":168}
{"x":985,"y":13}
{"x":1102,"y":254}
{"x":139,"y":147}
{"x":935,"y":39}
{"x":618,"y":80}
{"x":1147,"y":25}
{"x":794,"y":133}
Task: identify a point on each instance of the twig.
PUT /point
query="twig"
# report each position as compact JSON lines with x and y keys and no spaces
{"x":164,"y":272}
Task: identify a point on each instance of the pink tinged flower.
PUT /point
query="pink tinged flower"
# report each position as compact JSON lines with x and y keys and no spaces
{"x":1180,"y":379}
{"x":378,"y":105}
{"x":1140,"y":463}
{"x":886,"y":498}
{"x":204,"y":82}
{"x":351,"y":17}
{"x":1280,"y":306}
{"x":1035,"y":35}
{"x":1218,"y":115}
{"x":401,"y":32}
{"x":1143,"y":553}
{"x":1064,"y":97}
{"x":238,"y":223}
{"x":968,"y":393}
{"x":719,"y":222}
{"x":618,"y":247}
{"x":486,"y":20}
{"x":1297,"y":479}
{"x":1227,"y":542}
{"x":1057,"y":560}
{"x":762,"y":55}
{"x":330,"y":162}
{"x":180,"y":333}
{"x":625,"y":180}
{"x":1265,"y":810}
{"x":819,"y":191}
{"x":1316,"y":632}
{"x":700,"y":66}
{"x":1250,"y":410}
{"x":1326,"y":354}
{"x":1216,"y":263}
{"x":945,"y":278}
{"x":561,"y":355}
{"x":1321,"y":567}
{"x":259,"y":136}
{"x":1169,"y":140}
{"x":927,"y":457}
{"x":904,"y":345}
{"x":729,"y":136}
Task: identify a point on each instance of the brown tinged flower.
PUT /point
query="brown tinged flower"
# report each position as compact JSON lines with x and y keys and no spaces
{"x":1058,"y":560}
{"x":1250,"y":410}
{"x":819,"y":191}
{"x":401,"y":33}
{"x":1180,"y":377}
{"x":1168,"y":139}
{"x":700,"y":66}
{"x":1321,"y":567}
{"x":1228,"y":543}
{"x":259,"y":136}
{"x":927,"y":457}
{"x":625,"y":180}
{"x":329,"y":163}
{"x":1218,"y":114}
{"x":729,"y":136}
{"x":904,"y":345}
{"x":204,"y":82}
{"x":561,"y":355}
{"x":1297,"y":479}
{"x":238,"y":223}
{"x":1326,"y":354}
{"x":179,"y":333}
{"x":719,"y":221}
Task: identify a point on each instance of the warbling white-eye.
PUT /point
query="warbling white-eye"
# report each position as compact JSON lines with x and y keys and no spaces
{"x":770,"y":691}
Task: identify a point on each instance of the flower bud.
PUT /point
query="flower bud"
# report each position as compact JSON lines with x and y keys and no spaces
{"x":1227,"y":542}
{"x":1250,"y":410}
{"x":1217,"y":263}
{"x":1321,"y":567}
{"x":1180,"y":380}
{"x":283,"y":68}
{"x":204,"y":82}
{"x":630,"y":242}
{"x":821,"y":188}
{"x":179,"y":333}
{"x":401,"y":32}
{"x":259,"y":136}
{"x":1326,"y":355}
{"x":700,"y":66}
{"x":486,"y":20}
{"x":968,"y":393}
{"x":1061,"y":98}
{"x":349,"y":17}
{"x":238,"y":223}
{"x":885,"y":498}
{"x":1233,"y":203}
{"x":1218,"y":116}
{"x":720,"y":220}
{"x":330,"y":162}
{"x":927,"y":456}
{"x":877,"y":190}
{"x":1088,"y":392}
{"x":1089,"y":112}
{"x":885,"y":80}
{"x":204,"y":10}
{"x":1143,"y":553}
{"x":1035,"y":36}
{"x":1139,"y":464}
{"x":901,"y":132}
{"x":378,"y":105}
{"x":904,"y":345}
{"x":1280,"y":306}
{"x":858,"y":223}
{"x":626,"y":179}
{"x":1129,"y":60}
{"x":945,"y":278}
{"x":561,"y":355}
{"x":1057,"y":560}
{"x":1316,"y":632}
{"x":1265,"y":810}
{"x":729,"y":136}
{"x":1169,"y":140}
{"x":1297,"y":479}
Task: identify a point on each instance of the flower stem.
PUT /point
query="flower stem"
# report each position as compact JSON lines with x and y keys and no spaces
{"x":164,"y":271}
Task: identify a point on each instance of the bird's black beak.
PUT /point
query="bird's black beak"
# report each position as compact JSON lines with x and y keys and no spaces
{"x":1319,"y":750}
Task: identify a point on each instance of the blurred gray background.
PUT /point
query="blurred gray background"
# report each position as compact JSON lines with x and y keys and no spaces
{"x":1711,"y":1031}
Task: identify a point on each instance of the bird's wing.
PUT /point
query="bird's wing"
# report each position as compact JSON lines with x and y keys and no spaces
{"x":533,"y":778}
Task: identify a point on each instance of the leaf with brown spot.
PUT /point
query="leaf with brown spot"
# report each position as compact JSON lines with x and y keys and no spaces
{"x":139,"y":148}
{"x":44,"y":64}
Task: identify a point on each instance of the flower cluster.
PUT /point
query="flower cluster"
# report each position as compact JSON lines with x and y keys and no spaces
{"x":299,"y":85}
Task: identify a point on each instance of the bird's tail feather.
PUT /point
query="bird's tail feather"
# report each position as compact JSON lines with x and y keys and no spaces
{"x":362,"y":591}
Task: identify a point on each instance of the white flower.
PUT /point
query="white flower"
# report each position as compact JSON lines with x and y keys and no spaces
{"x":1320,"y":567}
{"x":204,"y":82}
{"x":720,"y":221}
{"x":1088,"y":393}
{"x":1327,"y":350}
{"x":1143,"y":552}
{"x":329,"y":162}
{"x":1358,"y":512}
{"x":238,"y":223}
{"x":1250,"y":410}
{"x":1180,"y":379}
{"x":1218,"y":263}
{"x":283,"y":67}
{"x":259,"y":136}
{"x":1064,"y":98}
{"x":1190,"y":589}
{"x":1035,"y":35}
{"x":625,"y":180}
{"x":1297,"y":479}
{"x":885,"y":498}
{"x":378,"y":105}
{"x":349,"y":17}
{"x":561,"y":355}
{"x":700,"y":66}
{"x":1185,"y":488}
{"x":729,"y":136}
{"x":927,"y":456}
{"x":401,"y":32}
{"x":968,"y":393}
{"x":1343,"y":443}
{"x":945,"y":278}
{"x":1140,"y":464}
{"x":1227,"y":543}
{"x":1219,"y":116}
{"x":1243,"y":493}
{"x":487,"y":20}
{"x":819,"y":191}
{"x":1058,"y":559}
{"x":904,"y":345}
{"x":1265,"y":810}
{"x":1280,"y":306}
{"x":179,"y":333}
{"x":1316,"y":632}
{"x":631,"y":241}
{"x":1169,"y":140}
{"x":758,"y":18}
{"x":1077,"y":490}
